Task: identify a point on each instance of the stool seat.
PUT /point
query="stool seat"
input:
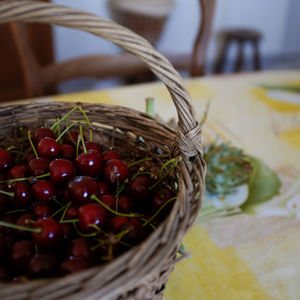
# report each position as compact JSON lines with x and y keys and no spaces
{"x":239,"y":36}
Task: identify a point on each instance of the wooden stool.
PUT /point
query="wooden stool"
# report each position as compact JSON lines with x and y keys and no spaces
{"x":240,"y":36}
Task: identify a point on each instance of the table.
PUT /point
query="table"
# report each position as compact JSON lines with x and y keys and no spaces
{"x":244,"y":256}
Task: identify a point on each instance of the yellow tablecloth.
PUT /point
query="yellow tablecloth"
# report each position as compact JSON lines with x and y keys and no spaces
{"x":245,"y":256}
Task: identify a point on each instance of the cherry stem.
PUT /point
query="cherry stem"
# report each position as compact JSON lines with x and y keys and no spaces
{"x":67,"y":129}
{"x":7,"y":193}
{"x":150,"y":106}
{"x":15,"y":211}
{"x":69,"y":221}
{"x":159,"y":210}
{"x":91,"y":135}
{"x":120,"y":189}
{"x":66,"y":207}
{"x":84,"y":234}
{"x":25,"y":178}
{"x":31,"y":144}
{"x":82,"y":140}
{"x":162,"y":176}
{"x":59,"y":210}
{"x":145,"y":220}
{"x":139,"y":161}
{"x":85,"y":115}
{"x":57,"y":123}
{"x":131,"y":215}
{"x":19,"y":227}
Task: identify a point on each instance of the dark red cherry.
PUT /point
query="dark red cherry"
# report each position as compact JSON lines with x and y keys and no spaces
{"x":51,"y":233}
{"x":18,"y":171}
{"x":115,"y":171}
{"x":72,"y":212}
{"x":42,"y":265}
{"x":109,"y":201}
{"x":103,"y":188}
{"x":68,"y":231}
{"x":43,"y":210}
{"x":117,"y":223}
{"x":74,"y":265}
{"x":68,"y":152}
{"x":92,"y":214}
{"x":107,"y":156}
{"x":79,"y":248}
{"x":125,"y":204}
{"x":4,"y":199}
{"x":48,"y":148}
{"x":61,"y":171}
{"x":22,"y":195}
{"x":6,"y":161}
{"x":43,"y":190}
{"x":91,"y":146}
{"x":43,"y":132}
{"x":160,"y":198}
{"x":89,"y":163}
{"x":26,"y":220}
{"x":81,"y":188}
{"x":39,"y":166}
{"x":8,"y":219}
{"x":72,"y":137}
{"x":136,"y":231}
{"x":21,"y":254}
{"x":138,"y":189}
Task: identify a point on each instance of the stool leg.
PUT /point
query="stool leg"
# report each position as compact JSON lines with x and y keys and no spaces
{"x":219,"y":64}
{"x":240,"y":58}
{"x":256,"y":58}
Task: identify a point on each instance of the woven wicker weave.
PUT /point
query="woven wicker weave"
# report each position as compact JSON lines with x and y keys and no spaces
{"x":140,"y":273}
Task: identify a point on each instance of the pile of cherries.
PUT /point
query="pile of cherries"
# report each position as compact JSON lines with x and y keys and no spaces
{"x":68,"y":203}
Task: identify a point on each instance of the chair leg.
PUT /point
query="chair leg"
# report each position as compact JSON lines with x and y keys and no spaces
{"x":256,"y":56}
{"x":240,"y":58}
{"x":220,"y":61}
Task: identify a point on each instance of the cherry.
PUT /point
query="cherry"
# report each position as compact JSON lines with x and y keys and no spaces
{"x":72,"y":212}
{"x":89,"y":163}
{"x":6,"y":160}
{"x":68,"y":231}
{"x":109,"y":201}
{"x":43,"y":132}
{"x":21,"y":254}
{"x":68,"y":152}
{"x":22,"y":195}
{"x":160,"y":198}
{"x":18,"y":171}
{"x":117,"y":223}
{"x":103,"y":188}
{"x":125,"y":204}
{"x":92,"y":214}
{"x":72,"y":137}
{"x":3,"y":199}
{"x":115,"y":171}
{"x":138,"y":189}
{"x":91,"y":146}
{"x":42,"y":265}
{"x":48,"y":148}
{"x":39,"y":166}
{"x":51,"y":233}
{"x":42,"y":210}
{"x":26,"y":220}
{"x":43,"y":190}
{"x":81,"y":188}
{"x":107,"y":156}
{"x":61,"y":171}
{"x":74,"y":265}
{"x":136,"y":231}
{"x":79,"y":248}
{"x":8,"y":219}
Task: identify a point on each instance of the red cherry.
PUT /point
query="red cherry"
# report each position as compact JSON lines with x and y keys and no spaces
{"x":68,"y":230}
{"x":72,"y":212}
{"x":43,"y":190}
{"x":91,"y":146}
{"x":51,"y":233}
{"x":160,"y":198}
{"x":89,"y":163}
{"x":109,"y":201}
{"x":74,"y":265}
{"x":81,"y":188}
{"x":103,"y":188}
{"x":8,"y":219}
{"x":115,"y":171}
{"x":26,"y":220}
{"x":22,"y":195}
{"x":39,"y":166}
{"x":117,"y":223}
{"x":43,"y":132}
{"x":136,"y":231}
{"x":68,"y":152}
{"x":61,"y":171}
{"x":48,"y":148}
{"x":21,"y":254}
{"x":107,"y":156}
{"x":42,"y":265}
{"x":72,"y":137}
{"x":125,"y":204}
{"x":6,"y":160}
{"x":18,"y":171}
{"x":138,"y":189}
{"x":79,"y":248}
{"x":43,"y":210}
{"x":92,"y":214}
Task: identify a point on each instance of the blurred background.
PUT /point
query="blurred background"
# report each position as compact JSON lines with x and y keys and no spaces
{"x":240,"y":36}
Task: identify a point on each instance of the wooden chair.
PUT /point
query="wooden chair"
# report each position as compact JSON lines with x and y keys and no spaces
{"x":41,"y":78}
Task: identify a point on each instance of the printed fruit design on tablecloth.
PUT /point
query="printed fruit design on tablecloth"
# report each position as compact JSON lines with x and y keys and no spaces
{"x":68,"y":202}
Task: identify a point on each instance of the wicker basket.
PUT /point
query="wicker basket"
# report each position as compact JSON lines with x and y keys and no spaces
{"x":140,"y":273}
{"x":144,"y":17}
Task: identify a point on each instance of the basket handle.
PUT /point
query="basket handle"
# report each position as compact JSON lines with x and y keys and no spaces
{"x":188,"y":138}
